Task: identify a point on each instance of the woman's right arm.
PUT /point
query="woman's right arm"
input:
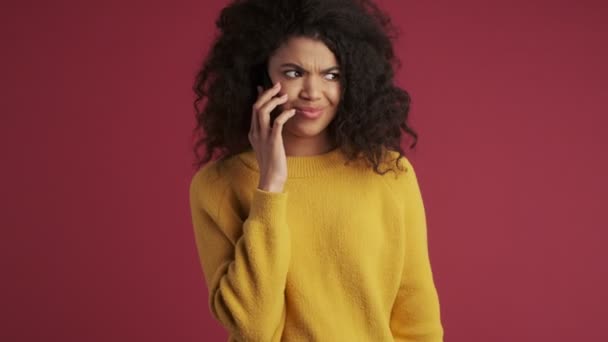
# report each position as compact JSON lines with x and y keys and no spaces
{"x":246,"y":279}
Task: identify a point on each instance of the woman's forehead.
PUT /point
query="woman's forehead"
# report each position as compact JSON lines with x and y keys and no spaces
{"x":305,"y":52}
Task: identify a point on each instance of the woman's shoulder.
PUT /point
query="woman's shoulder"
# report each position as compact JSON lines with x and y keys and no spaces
{"x":220,"y":169}
{"x":219,"y":173}
{"x":213,"y":178}
{"x":206,"y":174}
{"x":399,"y":162}
{"x":402,"y":179}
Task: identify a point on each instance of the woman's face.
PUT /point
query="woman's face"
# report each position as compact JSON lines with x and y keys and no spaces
{"x":309,"y":74}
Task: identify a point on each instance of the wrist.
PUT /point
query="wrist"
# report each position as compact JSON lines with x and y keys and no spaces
{"x":271,"y":186}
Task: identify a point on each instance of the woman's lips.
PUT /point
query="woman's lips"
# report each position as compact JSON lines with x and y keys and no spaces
{"x":309,"y":113}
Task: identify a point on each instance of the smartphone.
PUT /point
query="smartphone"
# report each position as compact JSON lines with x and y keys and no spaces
{"x":267,"y":84}
{"x":266,"y":81}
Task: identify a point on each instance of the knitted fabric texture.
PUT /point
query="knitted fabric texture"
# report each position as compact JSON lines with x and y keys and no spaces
{"x":340,"y":255}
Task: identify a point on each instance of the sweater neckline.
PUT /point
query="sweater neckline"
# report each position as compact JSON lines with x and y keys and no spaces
{"x":301,"y":166}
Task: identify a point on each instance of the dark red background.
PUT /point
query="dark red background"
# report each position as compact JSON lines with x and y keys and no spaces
{"x":509,"y":98}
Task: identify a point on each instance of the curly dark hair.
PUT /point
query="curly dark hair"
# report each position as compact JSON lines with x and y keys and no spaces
{"x":372,"y":111}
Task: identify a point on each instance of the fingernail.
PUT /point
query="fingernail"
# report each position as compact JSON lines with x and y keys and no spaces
{"x":277,"y":85}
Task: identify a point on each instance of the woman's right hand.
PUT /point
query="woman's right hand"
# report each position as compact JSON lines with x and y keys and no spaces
{"x":267,"y":142}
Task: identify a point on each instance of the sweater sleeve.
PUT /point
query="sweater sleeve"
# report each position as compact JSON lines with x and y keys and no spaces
{"x":246,"y":279}
{"x":416,"y":314}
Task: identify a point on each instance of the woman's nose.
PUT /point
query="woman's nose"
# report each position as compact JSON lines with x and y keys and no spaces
{"x":312,"y":88}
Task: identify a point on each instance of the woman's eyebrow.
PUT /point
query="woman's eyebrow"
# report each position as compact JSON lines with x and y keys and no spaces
{"x":300,"y":68}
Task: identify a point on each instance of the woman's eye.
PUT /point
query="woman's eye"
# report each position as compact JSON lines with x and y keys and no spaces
{"x":290,"y":73}
{"x":287,"y":72}
{"x":335,"y":76}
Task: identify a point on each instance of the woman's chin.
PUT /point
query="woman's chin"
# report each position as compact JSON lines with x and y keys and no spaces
{"x":303,"y":128}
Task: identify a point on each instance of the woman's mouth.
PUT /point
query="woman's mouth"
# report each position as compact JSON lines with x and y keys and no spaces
{"x":309,"y":113}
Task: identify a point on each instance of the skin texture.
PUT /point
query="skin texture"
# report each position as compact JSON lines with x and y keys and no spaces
{"x":311,"y":85}
{"x":267,"y":142}
{"x":310,"y":81}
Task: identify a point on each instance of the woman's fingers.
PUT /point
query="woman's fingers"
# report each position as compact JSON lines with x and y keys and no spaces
{"x":277,"y":128}
{"x":264,"y":113}
{"x":259,"y":120}
{"x":260,"y":129}
{"x":254,"y":128}
{"x":268,"y":94}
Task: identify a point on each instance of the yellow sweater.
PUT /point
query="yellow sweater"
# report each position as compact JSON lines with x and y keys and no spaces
{"x":340,"y":255}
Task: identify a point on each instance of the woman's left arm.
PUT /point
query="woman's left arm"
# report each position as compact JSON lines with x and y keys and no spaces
{"x":416,"y":314}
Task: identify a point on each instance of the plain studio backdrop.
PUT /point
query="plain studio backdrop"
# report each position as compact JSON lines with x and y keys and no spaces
{"x":509,"y":99}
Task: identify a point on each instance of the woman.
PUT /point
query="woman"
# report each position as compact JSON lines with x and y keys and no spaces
{"x":302,"y":232}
